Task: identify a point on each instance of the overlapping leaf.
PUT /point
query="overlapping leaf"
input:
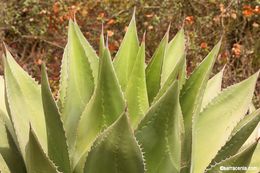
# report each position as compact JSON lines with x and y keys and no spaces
{"x":242,"y":159}
{"x":191,"y":98}
{"x":3,"y":166}
{"x":136,"y":91}
{"x":23,"y":92}
{"x":104,"y":108}
{"x":3,"y":110}
{"x":178,"y":71}
{"x":154,"y":69}
{"x":36,"y":159}
{"x":238,"y":137}
{"x":226,"y":117}
{"x":77,"y":80}
{"x":89,"y":51}
{"x":116,"y":150}
{"x":9,"y":152}
{"x":160,"y":133}
{"x":174,"y":52}
{"x":126,"y":55}
{"x":4,"y":116}
{"x":213,"y":88}
{"x":57,"y":144}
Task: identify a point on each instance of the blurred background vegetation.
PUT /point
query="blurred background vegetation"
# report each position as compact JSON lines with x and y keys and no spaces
{"x":35,"y":30}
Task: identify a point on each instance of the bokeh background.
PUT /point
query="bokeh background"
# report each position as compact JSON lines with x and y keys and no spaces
{"x":36,"y":31}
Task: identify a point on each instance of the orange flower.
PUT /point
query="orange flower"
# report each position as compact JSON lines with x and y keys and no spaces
{"x":189,"y":19}
{"x":236,"y":50}
{"x":56,"y":7}
{"x":247,"y":11}
{"x":110,"y":33}
{"x":203,"y":45}
{"x":257,"y":10}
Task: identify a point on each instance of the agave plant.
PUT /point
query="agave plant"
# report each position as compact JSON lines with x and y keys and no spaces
{"x":122,"y":116}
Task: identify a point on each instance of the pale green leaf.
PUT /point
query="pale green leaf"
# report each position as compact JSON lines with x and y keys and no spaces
{"x":136,"y":91}
{"x":2,"y":97}
{"x":63,"y":79}
{"x":36,"y":159}
{"x":116,"y":151}
{"x":102,"y":45}
{"x":255,"y":161}
{"x":154,"y":69}
{"x":25,"y":104}
{"x":251,"y":108}
{"x":57,"y":144}
{"x":126,"y":55}
{"x":213,"y":88}
{"x":9,"y":151}
{"x":241,"y":159}
{"x":174,"y":51}
{"x":178,"y":71}
{"x":4,"y":116}
{"x":3,"y":166}
{"x":191,"y":99}
{"x":89,"y":51}
{"x":183,"y":73}
{"x":160,"y":133}
{"x":79,"y":85}
{"x":215,"y":123}
{"x":238,"y":137}
{"x":104,"y":108}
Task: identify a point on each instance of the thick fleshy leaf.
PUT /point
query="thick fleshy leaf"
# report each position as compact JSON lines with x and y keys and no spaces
{"x":3,"y":166}
{"x":213,"y":88}
{"x":175,"y":50}
{"x":80,"y":83}
{"x":24,"y":103}
{"x":191,"y":98}
{"x":242,"y":159}
{"x":160,"y":133}
{"x":104,"y":108}
{"x":154,"y":69}
{"x":2,"y":97}
{"x":238,"y":137}
{"x":255,"y":161}
{"x":89,"y":51}
{"x":116,"y":150}
{"x":183,"y":72}
{"x":251,"y":108}
{"x":4,"y":116}
{"x":63,"y":79}
{"x":9,"y":151}
{"x":57,"y":144}
{"x":126,"y":55}
{"x":215,"y":123}
{"x":178,"y":71}
{"x":36,"y":159}
{"x":136,"y":91}
{"x":102,"y":45}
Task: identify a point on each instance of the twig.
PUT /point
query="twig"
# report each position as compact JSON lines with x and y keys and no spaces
{"x":42,"y":39}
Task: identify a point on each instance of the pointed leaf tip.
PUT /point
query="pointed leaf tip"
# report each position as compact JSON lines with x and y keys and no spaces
{"x":36,"y":159}
{"x":57,"y":142}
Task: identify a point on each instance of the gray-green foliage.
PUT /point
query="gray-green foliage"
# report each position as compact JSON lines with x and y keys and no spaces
{"x":124,"y":116}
